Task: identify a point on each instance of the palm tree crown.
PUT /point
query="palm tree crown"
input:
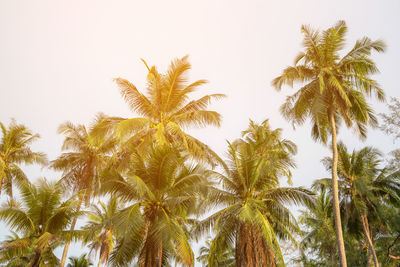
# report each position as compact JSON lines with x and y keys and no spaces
{"x":89,"y":154}
{"x":15,"y":150}
{"x":163,"y":192}
{"x":166,"y":110}
{"x":42,"y":219}
{"x":332,"y":84}
{"x":253,"y":213}
{"x":81,"y":261}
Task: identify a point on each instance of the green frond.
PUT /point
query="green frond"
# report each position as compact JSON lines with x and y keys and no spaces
{"x":136,"y":101}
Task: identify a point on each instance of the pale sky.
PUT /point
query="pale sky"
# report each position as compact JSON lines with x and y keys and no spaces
{"x":58,"y":59}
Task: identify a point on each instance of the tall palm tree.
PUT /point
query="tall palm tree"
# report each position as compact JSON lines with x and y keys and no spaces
{"x":100,"y":230}
{"x":15,"y":150}
{"x":363,"y":187}
{"x":253,"y":213}
{"x":42,"y":219}
{"x":334,"y":89}
{"x":88,"y":154}
{"x":163,"y":192}
{"x":166,"y":110}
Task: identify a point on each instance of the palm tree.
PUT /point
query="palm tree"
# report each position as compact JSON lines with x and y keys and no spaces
{"x":319,"y":236}
{"x":81,"y":261}
{"x":364,"y":187}
{"x":42,"y":219}
{"x":166,"y":110}
{"x":13,"y":253}
{"x":89,"y":153}
{"x":15,"y":150}
{"x":253,"y":213}
{"x":334,"y":90}
{"x":210,"y":257}
{"x":100,"y":230}
{"x":163,"y":192}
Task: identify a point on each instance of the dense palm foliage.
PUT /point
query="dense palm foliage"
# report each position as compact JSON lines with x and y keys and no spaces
{"x":157,"y":189}
{"x":13,"y":254}
{"x":15,"y":150}
{"x":42,"y":218}
{"x":334,"y":89}
{"x":364,"y":188}
{"x":253,"y":214}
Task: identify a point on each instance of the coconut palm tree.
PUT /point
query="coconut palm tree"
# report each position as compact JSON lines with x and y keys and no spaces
{"x":166,"y":111}
{"x":211,"y":257}
{"x":88,"y":154}
{"x":100,"y":230}
{"x":42,"y":218}
{"x":253,"y":214}
{"x":12,"y":253}
{"x":163,"y":192}
{"x":319,"y":235}
{"x":81,"y":261}
{"x":364,"y":187}
{"x":15,"y":150}
{"x":334,"y":90}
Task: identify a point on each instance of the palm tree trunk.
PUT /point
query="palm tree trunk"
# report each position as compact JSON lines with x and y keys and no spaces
{"x":335,"y":193}
{"x":365,"y":225}
{"x":65,"y":251}
{"x":251,"y":248}
{"x":160,"y":255}
{"x":1,"y":182}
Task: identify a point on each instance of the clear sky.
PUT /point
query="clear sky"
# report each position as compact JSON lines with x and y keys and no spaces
{"x":58,"y":59}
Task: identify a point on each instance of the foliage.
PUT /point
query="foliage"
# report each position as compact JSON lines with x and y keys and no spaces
{"x":332,"y":83}
{"x":15,"y":150}
{"x":41,"y":218}
{"x":334,"y":90}
{"x":100,"y":232}
{"x":319,"y":242}
{"x":88,"y":154}
{"x":364,"y":186}
{"x":163,"y":191}
{"x":209,"y":258}
{"x":81,"y":261}
{"x":366,"y":191}
{"x":166,"y":110}
{"x":253,"y":215}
